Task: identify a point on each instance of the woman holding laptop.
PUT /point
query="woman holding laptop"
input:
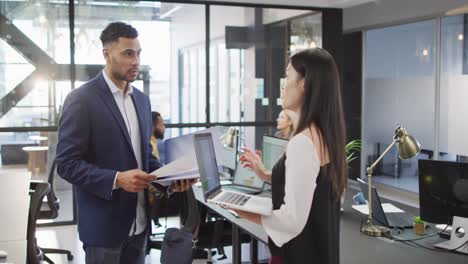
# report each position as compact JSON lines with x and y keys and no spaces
{"x":309,"y":179}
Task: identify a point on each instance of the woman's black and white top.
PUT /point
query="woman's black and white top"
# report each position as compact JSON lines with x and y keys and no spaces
{"x":304,"y":225}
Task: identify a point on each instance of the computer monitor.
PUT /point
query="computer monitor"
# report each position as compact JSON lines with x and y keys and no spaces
{"x":443,"y":190}
{"x":273,"y":149}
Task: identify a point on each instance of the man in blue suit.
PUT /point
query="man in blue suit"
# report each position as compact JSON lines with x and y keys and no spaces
{"x":104,"y":150}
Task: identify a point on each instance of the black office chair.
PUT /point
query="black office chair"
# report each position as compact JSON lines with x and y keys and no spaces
{"x":38,"y":191}
{"x":49,"y":210}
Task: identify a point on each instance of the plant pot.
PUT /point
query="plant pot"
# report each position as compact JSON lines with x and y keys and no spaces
{"x":419,"y":228}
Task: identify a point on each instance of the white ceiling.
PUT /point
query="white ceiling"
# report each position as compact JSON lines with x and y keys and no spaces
{"x":311,"y":3}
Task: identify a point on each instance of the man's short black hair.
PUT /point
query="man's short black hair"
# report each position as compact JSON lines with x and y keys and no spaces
{"x":116,"y":30}
{"x":154,"y":116}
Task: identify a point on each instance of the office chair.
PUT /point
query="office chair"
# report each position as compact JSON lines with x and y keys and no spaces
{"x":38,"y":191}
{"x":49,"y":210}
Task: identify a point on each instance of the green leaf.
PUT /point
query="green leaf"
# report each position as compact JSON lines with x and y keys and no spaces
{"x":352,"y":148}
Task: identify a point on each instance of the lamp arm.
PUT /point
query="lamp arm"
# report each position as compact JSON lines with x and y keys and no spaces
{"x":371,"y":167}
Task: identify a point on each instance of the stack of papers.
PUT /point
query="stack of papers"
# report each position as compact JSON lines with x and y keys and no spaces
{"x":183,"y":168}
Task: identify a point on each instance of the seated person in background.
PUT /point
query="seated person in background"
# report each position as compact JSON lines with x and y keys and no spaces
{"x":285,"y":124}
{"x":158,"y":132}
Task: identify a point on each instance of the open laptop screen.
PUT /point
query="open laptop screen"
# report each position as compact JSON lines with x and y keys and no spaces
{"x":377,"y":211}
{"x":273,"y":149}
{"x":246,"y":177}
{"x":206,"y":160}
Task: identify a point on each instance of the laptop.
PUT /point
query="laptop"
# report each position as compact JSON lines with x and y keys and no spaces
{"x":402,"y":220}
{"x":245,"y":181}
{"x":212,"y":191}
{"x":273,"y":149}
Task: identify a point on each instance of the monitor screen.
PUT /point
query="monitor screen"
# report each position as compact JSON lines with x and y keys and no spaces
{"x":273,"y":149}
{"x":246,"y":177}
{"x":443,"y":190}
{"x":206,"y":160}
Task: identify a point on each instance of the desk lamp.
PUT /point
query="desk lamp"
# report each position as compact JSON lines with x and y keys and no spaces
{"x":408,"y":147}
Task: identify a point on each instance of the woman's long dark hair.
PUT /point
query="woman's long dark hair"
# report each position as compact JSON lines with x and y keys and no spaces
{"x":322,"y":106}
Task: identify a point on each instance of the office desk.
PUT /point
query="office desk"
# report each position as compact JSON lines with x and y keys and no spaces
{"x":16,"y":251}
{"x":14,"y":211}
{"x":355,"y":248}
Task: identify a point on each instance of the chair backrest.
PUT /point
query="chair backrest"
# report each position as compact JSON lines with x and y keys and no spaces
{"x":53,"y":202}
{"x":40,"y":190}
{"x":51,"y":196}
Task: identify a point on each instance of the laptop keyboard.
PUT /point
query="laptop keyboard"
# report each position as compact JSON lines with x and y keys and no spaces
{"x":241,"y":189}
{"x":233,"y":198}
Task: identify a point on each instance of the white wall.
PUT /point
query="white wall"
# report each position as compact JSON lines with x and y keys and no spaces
{"x":383,"y":12}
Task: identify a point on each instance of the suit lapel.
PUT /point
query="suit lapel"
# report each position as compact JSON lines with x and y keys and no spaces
{"x":108,"y":99}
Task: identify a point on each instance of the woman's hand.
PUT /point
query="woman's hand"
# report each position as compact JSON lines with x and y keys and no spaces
{"x":256,"y":218}
{"x":252,"y":160}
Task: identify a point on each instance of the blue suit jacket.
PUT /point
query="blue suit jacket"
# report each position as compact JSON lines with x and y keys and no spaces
{"x":93,"y":144}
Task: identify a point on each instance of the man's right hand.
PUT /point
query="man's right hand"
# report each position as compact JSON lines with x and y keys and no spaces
{"x":134,"y":180}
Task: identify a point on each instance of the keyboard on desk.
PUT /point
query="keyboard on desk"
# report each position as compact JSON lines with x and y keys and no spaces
{"x":233,"y":198}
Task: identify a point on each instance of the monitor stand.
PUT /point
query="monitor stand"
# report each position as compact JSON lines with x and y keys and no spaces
{"x":458,"y":240}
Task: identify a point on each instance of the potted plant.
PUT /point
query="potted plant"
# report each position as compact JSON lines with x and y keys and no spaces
{"x":352,"y":149}
{"x":419,"y":226}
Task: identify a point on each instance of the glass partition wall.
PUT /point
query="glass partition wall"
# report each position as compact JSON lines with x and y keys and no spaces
{"x":201,"y":65}
{"x":406,"y":84}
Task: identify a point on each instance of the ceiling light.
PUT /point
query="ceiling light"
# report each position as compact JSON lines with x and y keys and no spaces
{"x":460,"y":36}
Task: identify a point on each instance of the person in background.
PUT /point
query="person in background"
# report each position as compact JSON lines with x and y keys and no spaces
{"x":158,"y":132}
{"x":308,"y":181}
{"x":285,"y":124}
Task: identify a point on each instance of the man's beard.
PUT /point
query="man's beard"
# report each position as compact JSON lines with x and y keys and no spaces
{"x":158,"y":134}
{"x":121,"y":77}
